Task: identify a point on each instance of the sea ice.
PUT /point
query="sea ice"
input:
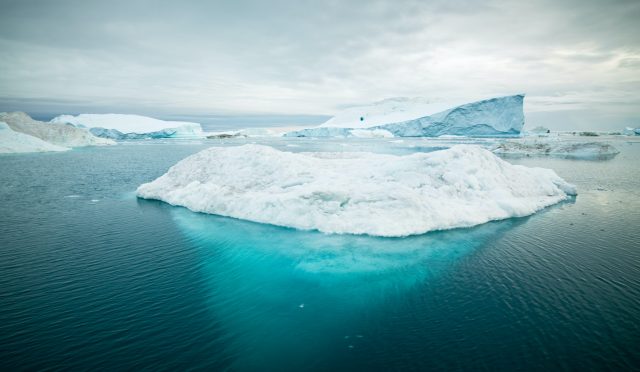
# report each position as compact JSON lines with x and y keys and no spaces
{"x":358,"y":192}
{"x":16,"y":142}
{"x":118,"y":126}
{"x":502,"y":116}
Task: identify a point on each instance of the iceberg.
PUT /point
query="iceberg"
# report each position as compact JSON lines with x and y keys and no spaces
{"x":58,"y":134}
{"x":358,"y":192}
{"x":119,"y":126}
{"x":16,"y":142}
{"x":502,"y":116}
{"x":566,"y":149}
{"x":629,"y":131}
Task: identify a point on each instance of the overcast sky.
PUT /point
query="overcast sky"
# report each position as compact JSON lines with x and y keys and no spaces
{"x":577,"y":61}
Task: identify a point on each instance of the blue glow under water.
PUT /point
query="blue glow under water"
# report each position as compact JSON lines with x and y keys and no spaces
{"x":91,"y":277}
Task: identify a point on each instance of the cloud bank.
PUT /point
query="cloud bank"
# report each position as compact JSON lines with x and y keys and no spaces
{"x":578,"y":61}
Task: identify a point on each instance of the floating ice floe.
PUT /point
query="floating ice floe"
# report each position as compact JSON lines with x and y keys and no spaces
{"x":118,"y":126}
{"x":358,"y":193}
{"x":16,"y":142}
{"x":404,"y":117}
{"x":56,"y":134}
{"x":567,"y":149}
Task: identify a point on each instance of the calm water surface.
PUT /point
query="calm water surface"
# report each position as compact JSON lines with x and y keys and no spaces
{"x":93,"y":278}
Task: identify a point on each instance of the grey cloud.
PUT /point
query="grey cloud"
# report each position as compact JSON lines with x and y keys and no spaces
{"x":310,"y":57}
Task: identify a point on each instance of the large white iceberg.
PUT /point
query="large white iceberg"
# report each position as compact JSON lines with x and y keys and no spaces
{"x":358,"y":193}
{"x":502,"y":116}
{"x":16,"y":142}
{"x":57,"y":134}
{"x":119,"y":126}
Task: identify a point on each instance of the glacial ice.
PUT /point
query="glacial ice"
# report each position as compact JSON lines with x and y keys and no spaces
{"x":16,"y":142}
{"x":358,"y":192}
{"x":629,"y":131}
{"x":58,"y":134}
{"x":502,"y":116}
{"x":119,"y":126}
{"x":556,"y":147}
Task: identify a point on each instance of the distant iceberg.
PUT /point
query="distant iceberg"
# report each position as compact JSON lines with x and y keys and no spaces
{"x":61,"y":135}
{"x":403,"y":117}
{"x":118,"y":126}
{"x":358,"y":193}
{"x":556,"y":147}
{"x":16,"y":142}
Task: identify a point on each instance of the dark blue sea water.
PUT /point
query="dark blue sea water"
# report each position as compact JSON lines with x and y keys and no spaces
{"x":93,"y":278}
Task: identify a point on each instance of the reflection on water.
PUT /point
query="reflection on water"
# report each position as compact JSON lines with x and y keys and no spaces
{"x":281,"y":292}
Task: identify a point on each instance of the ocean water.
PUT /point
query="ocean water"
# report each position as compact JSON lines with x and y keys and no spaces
{"x":93,"y":278}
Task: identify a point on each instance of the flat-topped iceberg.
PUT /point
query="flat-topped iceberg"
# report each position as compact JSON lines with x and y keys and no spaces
{"x":503,"y":116}
{"x":16,"y":142}
{"x":56,"y":134}
{"x":118,"y":126}
{"x":358,"y":192}
{"x":556,"y":147}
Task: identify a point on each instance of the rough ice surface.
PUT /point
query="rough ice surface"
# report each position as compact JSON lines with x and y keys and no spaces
{"x":58,"y":134}
{"x":629,"y":131}
{"x":358,"y":192}
{"x":503,"y":116}
{"x":119,"y":126}
{"x":556,"y":147}
{"x":16,"y":142}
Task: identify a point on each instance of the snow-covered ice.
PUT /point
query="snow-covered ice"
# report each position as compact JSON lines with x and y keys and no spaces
{"x":58,"y":134}
{"x":358,"y":192}
{"x":16,"y":142}
{"x":119,"y":126}
{"x":556,"y":147}
{"x":502,"y":116}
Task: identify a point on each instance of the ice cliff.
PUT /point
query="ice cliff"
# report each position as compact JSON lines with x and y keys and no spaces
{"x":56,"y":134}
{"x":118,"y":126}
{"x":503,"y":116}
{"x":358,"y":193}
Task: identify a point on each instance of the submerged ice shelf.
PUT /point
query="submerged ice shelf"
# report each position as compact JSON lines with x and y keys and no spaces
{"x":358,"y":193}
